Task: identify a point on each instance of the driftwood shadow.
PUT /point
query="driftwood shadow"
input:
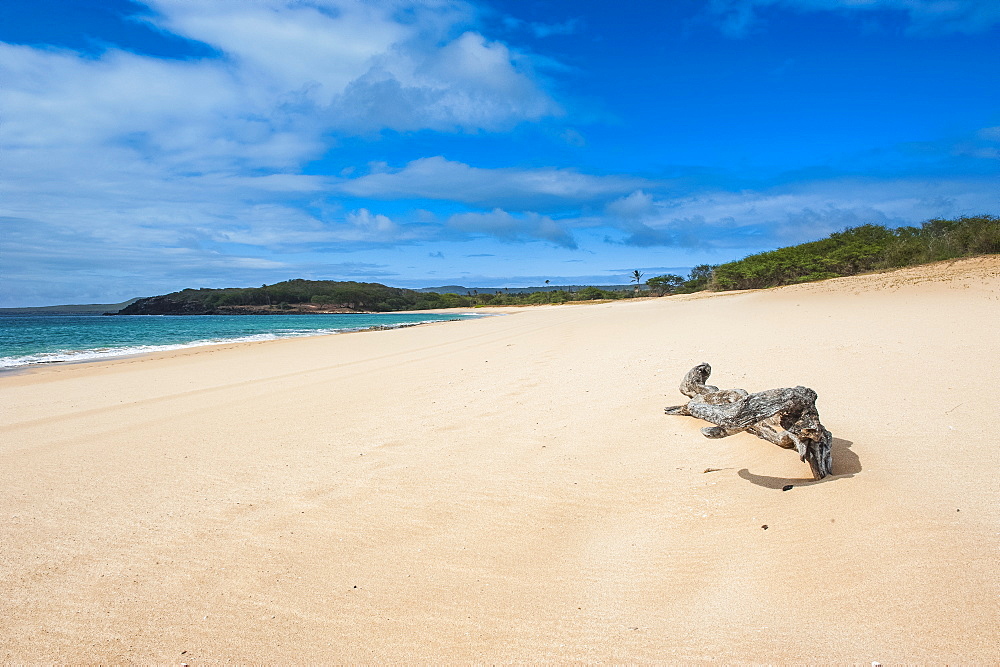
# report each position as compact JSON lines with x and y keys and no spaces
{"x":846,"y":464}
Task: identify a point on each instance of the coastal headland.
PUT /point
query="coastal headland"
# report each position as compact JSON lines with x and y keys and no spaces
{"x":508,"y":489}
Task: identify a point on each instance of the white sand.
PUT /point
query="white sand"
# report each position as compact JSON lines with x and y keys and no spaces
{"x":509,"y":489}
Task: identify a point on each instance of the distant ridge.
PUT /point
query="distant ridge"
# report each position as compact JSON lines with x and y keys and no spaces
{"x":77,"y":309}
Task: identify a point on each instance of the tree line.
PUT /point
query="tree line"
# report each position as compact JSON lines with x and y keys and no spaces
{"x":860,"y":250}
{"x":846,"y":253}
{"x":291,"y":295}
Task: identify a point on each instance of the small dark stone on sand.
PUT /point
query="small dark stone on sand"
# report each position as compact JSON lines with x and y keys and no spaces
{"x":764,"y":526}
{"x":788,"y":487}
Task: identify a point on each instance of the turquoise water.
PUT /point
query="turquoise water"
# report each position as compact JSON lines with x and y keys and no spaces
{"x":40,"y":339}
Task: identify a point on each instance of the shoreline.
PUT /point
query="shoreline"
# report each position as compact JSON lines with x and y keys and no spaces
{"x":884,"y":279}
{"x":110,"y":354}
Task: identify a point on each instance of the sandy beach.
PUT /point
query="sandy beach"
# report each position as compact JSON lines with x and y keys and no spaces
{"x":508,"y":489}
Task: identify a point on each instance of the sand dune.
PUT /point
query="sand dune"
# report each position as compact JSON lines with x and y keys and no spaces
{"x":509,"y":490}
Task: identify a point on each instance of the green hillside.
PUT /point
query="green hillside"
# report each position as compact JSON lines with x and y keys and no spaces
{"x":326,"y":296}
{"x":860,"y":250}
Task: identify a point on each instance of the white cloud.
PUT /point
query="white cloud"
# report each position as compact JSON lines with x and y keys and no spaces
{"x":635,"y":206}
{"x":180,"y":111}
{"x":375,"y":227}
{"x":509,"y":227}
{"x":361,"y":69}
{"x":438,"y":178}
{"x":284,"y":229}
{"x":792,"y":214}
{"x":291,"y":45}
{"x":288,"y":72}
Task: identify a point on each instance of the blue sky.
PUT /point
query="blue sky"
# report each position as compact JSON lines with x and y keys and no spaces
{"x":150,"y":146}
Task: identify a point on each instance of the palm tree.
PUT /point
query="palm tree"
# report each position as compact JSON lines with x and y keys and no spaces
{"x":637,"y":279}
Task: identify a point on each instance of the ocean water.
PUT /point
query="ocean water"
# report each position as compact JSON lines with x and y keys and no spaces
{"x":41,"y":339}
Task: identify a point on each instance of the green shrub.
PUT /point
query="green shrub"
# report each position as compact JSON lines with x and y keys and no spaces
{"x":861,"y":249}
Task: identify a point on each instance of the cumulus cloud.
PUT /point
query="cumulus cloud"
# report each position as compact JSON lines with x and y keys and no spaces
{"x":360,"y":68}
{"x":370,"y":226}
{"x":184,"y":115}
{"x":439,"y":178}
{"x":925,"y":16}
{"x":635,"y":206}
{"x":288,"y":73}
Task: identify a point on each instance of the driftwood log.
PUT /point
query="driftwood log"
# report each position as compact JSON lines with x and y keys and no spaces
{"x":786,"y":417}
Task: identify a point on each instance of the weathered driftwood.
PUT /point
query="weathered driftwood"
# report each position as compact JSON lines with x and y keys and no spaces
{"x":786,"y":417}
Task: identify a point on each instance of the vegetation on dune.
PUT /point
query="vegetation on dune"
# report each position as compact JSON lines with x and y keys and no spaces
{"x":666,"y":284}
{"x":503,"y":298}
{"x":850,"y":252}
{"x":860,"y":250}
{"x":698,"y":279}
